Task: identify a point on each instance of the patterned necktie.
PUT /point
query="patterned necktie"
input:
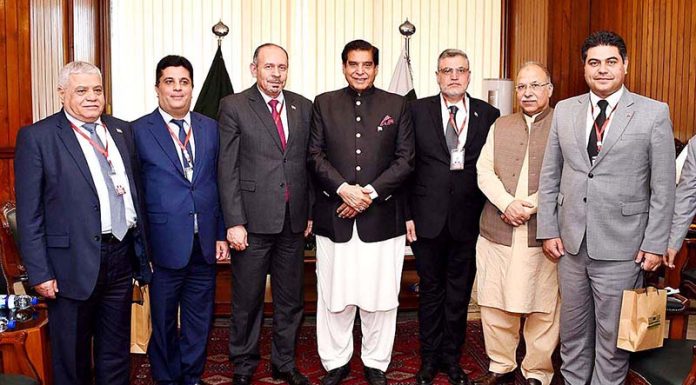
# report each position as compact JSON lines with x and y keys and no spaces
{"x":278,"y":122}
{"x":451,"y":132}
{"x":592,"y":149}
{"x":182,"y":139}
{"x":117,"y":206}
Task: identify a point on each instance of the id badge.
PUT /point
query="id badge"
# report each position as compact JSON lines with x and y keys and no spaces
{"x":456,"y":159}
{"x":119,"y":181}
{"x":188,"y":173}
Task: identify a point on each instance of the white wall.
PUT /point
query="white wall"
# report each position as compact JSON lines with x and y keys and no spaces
{"x":313,"y":31}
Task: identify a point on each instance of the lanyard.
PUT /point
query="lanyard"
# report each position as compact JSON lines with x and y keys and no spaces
{"x":458,"y":130}
{"x":600,"y":130}
{"x":102,"y":150}
{"x":182,"y":146}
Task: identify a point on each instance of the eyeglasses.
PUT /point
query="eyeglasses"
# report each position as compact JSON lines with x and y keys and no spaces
{"x":533,"y":86}
{"x":449,"y":71}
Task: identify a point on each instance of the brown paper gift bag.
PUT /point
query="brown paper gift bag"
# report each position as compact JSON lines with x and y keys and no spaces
{"x":141,"y":326}
{"x":642,"y":321}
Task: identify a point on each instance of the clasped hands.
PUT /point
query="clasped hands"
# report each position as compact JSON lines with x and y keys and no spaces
{"x":517,"y":213}
{"x":356,"y":199}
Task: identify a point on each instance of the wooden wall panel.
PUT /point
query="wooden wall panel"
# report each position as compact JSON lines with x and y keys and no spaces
{"x":528,"y":24}
{"x":15,"y":85}
{"x":661,"y":41}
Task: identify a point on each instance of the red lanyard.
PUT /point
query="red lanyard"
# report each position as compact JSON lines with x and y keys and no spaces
{"x":182,"y":146}
{"x":458,"y":130}
{"x":102,"y":150}
{"x":600,"y":130}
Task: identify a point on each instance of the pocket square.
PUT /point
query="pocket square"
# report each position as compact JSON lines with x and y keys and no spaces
{"x":386,"y":120}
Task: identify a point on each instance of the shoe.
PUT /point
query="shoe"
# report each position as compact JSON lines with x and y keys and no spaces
{"x":375,"y":376}
{"x":455,"y":374}
{"x":492,"y":378}
{"x":292,"y":377}
{"x":427,"y":373}
{"x":241,"y":379}
{"x":533,"y":381}
{"x":335,"y":376}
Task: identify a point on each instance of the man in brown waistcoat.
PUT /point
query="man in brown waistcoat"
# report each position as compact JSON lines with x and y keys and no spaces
{"x":515,"y":279}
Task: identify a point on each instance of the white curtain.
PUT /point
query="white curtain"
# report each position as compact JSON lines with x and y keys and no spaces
{"x":313,"y":31}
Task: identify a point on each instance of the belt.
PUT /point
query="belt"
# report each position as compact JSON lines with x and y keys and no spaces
{"x":110,"y":238}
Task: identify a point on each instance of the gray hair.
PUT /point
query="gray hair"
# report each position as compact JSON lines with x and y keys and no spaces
{"x":451,"y":52}
{"x":537,"y":64}
{"x":76,"y":67}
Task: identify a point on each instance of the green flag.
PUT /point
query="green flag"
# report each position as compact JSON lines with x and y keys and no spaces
{"x":217,"y":85}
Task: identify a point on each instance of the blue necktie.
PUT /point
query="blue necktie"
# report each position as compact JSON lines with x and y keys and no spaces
{"x":117,"y":206}
{"x":182,"y":139}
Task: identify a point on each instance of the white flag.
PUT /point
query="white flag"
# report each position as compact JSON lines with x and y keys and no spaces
{"x":402,"y":80}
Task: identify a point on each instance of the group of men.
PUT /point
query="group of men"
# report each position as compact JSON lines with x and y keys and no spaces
{"x":579,"y":198}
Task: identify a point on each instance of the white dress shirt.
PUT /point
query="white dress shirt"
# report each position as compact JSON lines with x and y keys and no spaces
{"x":175,"y":129}
{"x":613,"y":100}
{"x":283,"y":113}
{"x":98,"y":177}
{"x":462,"y":113}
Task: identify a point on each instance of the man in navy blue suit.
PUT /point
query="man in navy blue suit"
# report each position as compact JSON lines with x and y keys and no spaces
{"x":178,"y":159}
{"x":78,"y":216}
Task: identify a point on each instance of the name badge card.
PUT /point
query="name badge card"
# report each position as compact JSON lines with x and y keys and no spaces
{"x":456,"y":159}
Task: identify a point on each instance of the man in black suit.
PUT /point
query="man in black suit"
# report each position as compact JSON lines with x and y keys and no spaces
{"x":79,"y":227}
{"x":265,"y":196}
{"x":445,"y":205}
{"x":361,"y":152}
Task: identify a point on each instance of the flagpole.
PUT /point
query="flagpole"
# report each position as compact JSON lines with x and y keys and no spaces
{"x":407,"y":29}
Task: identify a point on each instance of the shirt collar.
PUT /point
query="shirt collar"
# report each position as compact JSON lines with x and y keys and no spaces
{"x":612,"y":99}
{"x":266,"y":98}
{"x":367,"y":92}
{"x":461,"y":105}
{"x":78,"y":123}
{"x":168,"y":118}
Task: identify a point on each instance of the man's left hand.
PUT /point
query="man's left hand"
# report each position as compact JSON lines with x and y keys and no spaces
{"x":648,"y":261}
{"x":222,"y":251}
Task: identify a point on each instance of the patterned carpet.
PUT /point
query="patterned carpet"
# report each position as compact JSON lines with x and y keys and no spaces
{"x":404,"y":365}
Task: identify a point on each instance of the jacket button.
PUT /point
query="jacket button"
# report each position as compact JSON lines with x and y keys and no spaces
{"x":96,"y":207}
{"x":282,"y":185}
{"x":358,"y":119}
{"x":358,"y":135}
{"x":584,"y":199}
{"x":590,"y":175}
{"x":97,"y":237}
{"x":357,"y":168}
{"x":285,"y":160}
{"x":358,"y":151}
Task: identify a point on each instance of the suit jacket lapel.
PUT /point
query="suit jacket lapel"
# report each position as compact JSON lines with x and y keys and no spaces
{"x":67,"y":136}
{"x":158,"y":129}
{"x":474,"y":122}
{"x":580,"y":126}
{"x":259,"y":106}
{"x":293,"y":118}
{"x":436,"y":115}
{"x":116,"y":133}
{"x":620,"y":119}
{"x":201,"y":143}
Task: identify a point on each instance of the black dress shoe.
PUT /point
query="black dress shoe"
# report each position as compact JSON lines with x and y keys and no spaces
{"x":533,"y":381}
{"x":455,"y":374}
{"x":292,"y":377}
{"x":492,"y":378}
{"x":241,"y":379}
{"x":375,"y":376}
{"x":427,"y":373}
{"x":335,"y":376}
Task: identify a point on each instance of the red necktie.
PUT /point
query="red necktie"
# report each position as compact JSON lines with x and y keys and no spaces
{"x":281,"y":133}
{"x":278,"y":122}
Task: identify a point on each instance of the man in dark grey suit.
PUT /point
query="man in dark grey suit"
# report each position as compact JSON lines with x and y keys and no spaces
{"x":606,"y":197}
{"x":264,"y":190}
